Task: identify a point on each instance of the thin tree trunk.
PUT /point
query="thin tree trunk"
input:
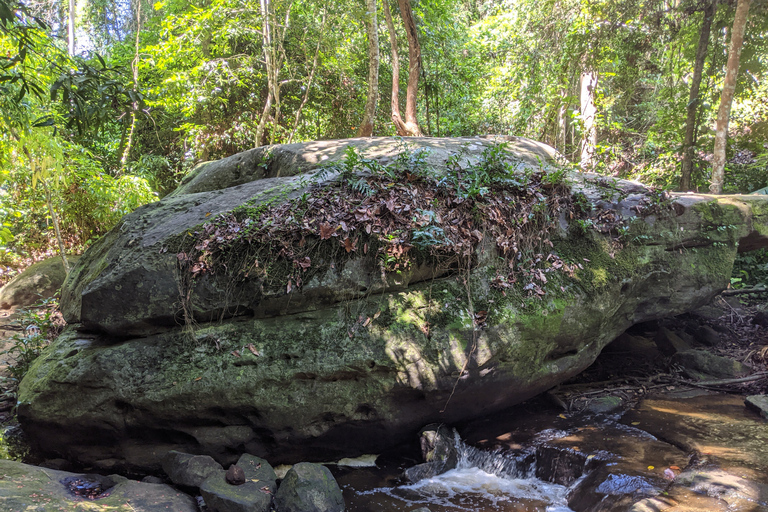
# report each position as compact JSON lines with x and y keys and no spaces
{"x":561,"y":121}
{"x":397,"y":120}
{"x":366,"y":125}
{"x":266,"y":41}
{"x":693,"y":99}
{"x":726,"y":100}
{"x":71,"y":28}
{"x":135,"y":104}
{"x":588,"y":113}
{"x":414,"y":68}
{"x":55,"y":220}
{"x":310,"y":79}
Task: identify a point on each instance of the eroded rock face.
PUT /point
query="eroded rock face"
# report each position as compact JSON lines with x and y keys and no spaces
{"x":351,"y":362}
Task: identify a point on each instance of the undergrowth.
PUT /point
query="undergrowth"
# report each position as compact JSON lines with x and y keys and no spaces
{"x":396,"y":217}
{"x":39,"y":326}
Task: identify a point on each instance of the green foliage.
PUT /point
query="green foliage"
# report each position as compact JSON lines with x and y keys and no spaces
{"x":39,"y":326}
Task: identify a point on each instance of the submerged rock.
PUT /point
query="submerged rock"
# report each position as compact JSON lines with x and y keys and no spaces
{"x":364,"y":352}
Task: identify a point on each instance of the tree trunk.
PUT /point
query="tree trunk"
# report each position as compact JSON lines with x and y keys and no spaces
{"x":135,"y":104}
{"x":726,"y":99}
{"x":693,"y":99}
{"x":414,"y":68}
{"x":312,"y":77}
{"x":71,"y":29}
{"x":588,"y":112}
{"x":55,"y":220}
{"x":397,"y":120}
{"x":369,"y":116}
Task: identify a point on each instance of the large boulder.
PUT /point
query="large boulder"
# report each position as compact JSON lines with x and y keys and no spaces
{"x":265,"y":308}
{"x":40,"y":281}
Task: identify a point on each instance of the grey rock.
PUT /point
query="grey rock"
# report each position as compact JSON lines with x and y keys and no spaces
{"x":325,"y":385}
{"x":150,"y":479}
{"x":189,"y":470}
{"x":604,"y":404}
{"x":706,"y":335}
{"x":670,"y":343}
{"x":700,"y":364}
{"x":425,"y":470}
{"x":39,"y":281}
{"x":25,"y":487}
{"x":758,"y":403}
{"x":309,"y":487}
{"x":220,"y":496}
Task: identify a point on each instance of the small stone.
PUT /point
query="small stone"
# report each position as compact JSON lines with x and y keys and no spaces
{"x":235,"y":475}
{"x":604,"y":404}
{"x":150,"y":479}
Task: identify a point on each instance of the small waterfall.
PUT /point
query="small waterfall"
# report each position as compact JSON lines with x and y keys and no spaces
{"x":499,"y":462}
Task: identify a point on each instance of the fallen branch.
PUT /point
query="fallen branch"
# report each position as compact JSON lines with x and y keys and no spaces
{"x":727,"y":382}
{"x":744,"y":291}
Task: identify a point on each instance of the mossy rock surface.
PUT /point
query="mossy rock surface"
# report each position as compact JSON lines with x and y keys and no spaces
{"x":40,"y":281}
{"x":24,"y":487}
{"x":350,"y":363}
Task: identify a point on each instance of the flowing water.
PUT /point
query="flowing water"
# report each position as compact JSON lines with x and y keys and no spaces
{"x":483,"y":481}
{"x":704,"y":453}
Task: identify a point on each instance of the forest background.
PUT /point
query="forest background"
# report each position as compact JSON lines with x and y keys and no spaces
{"x":106,"y":104}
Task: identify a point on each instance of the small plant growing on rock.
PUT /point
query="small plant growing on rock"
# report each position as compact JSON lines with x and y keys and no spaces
{"x":39,"y":326}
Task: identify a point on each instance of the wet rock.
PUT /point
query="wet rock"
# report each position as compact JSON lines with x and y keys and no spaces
{"x":670,"y":343}
{"x":235,"y":475}
{"x":706,"y":335}
{"x":438,"y":444}
{"x":604,"y":404}
{"x":559,"y":465}
{"x":421,"y":509}
{"x":713,"y":425}
{"x":255,"y":495}
{"x":25,"y":487}
{"x":758,"y":403}
{"x":703,"y":365}
{"x":309,"y":488}
{"x":425,"y":470}
{"x":189,"y":470}
{"x":739,"y":493}
{"x":88,"y":486}
{"x":438,"y":448}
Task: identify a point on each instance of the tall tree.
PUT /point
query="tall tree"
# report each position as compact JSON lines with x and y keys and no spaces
{"x":366,"y":125}
{"x":588,"y":86}
{"x":693,"y":100}
{"x":726,"y":99}
{"x":397,"y":119}
{"x":414,"y":68}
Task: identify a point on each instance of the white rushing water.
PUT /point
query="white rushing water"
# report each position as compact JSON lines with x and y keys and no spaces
{"x":483,"y":481}
{"x":461,"y":486}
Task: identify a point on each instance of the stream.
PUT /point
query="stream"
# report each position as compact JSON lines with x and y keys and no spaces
{"x":689,"y":448}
